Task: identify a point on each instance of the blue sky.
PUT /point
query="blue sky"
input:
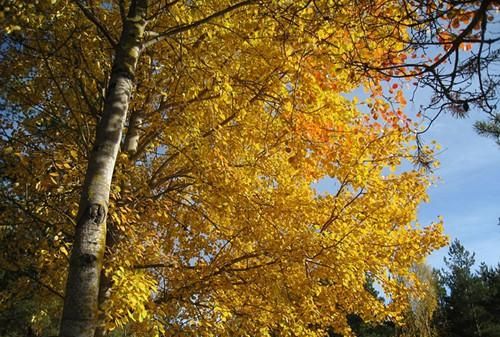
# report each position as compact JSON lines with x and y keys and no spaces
{"x":468,"y":193}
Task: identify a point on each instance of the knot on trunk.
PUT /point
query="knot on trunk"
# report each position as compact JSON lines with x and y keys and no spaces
{"x":96,"y":213}
{"x":87,"y":259}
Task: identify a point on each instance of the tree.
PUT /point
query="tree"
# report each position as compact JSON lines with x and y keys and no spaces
{"x":462,"y":303}
{"x":490,"y":301}
{"x":230,"y":112}
{"x":469,"y":304}
{"x":490,"y":128}
{"x":418,"y":320}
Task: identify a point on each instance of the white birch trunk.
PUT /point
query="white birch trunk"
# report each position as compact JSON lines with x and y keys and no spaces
{"x":80,"y":312}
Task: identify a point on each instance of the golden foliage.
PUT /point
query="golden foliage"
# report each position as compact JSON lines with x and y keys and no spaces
{"x":216,"y":227}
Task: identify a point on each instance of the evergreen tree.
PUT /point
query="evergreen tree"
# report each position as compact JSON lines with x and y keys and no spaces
{"x":489,"y":300}
{"x":490,"y":127}
{"x":469,"y":302}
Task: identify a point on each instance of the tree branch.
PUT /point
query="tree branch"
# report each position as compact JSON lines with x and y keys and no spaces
{"x":89,"y":15}
{"x":185,"y":27}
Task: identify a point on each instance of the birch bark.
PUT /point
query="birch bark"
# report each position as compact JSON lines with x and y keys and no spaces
{"x":80,"y":312}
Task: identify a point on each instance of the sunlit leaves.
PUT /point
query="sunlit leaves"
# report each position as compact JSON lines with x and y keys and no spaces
{"x":129,"y":297}
{"x":215,"y":226}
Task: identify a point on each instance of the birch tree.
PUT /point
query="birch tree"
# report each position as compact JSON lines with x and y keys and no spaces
{"x":228,"y":113}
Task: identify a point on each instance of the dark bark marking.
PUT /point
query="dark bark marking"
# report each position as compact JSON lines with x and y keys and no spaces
{"x":87,"y":259}
{"x":96,"y":213}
